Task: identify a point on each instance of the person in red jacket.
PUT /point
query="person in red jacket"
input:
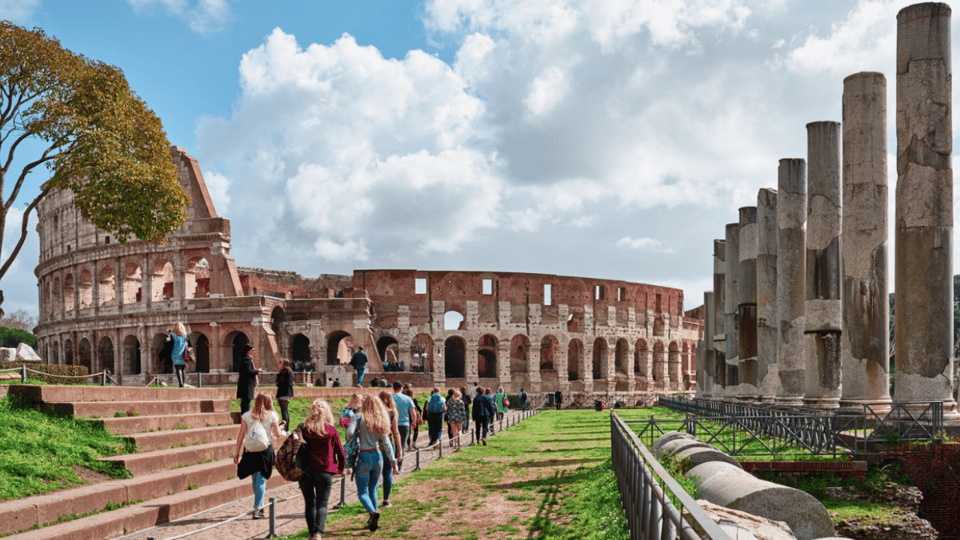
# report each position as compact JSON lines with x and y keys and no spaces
{"x":325,"y":458}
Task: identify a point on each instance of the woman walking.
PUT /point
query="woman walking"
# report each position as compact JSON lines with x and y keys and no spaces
{"x":435,"y":409}
{"x":500,"y":400}
{"x":391,"y":406}
{"x":466,"y":407}
{"x":456,"y":414}
{"x":372,"y":429}
{"x":481,"y":416}
{"x":179,"y":338}
{"x":325,"y":458}
{"x":284,"y":393}
{"x":258,"y":427}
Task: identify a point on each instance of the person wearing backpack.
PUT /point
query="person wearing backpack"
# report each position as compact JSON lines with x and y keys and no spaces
{"x":371,"y":428}
{"x":435,"y":409}
{"x":325,"y":458}
{"x":258,"y":427}
{"x":523,"y":400}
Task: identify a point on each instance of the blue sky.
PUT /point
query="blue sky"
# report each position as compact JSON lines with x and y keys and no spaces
{"x":598,"y":138}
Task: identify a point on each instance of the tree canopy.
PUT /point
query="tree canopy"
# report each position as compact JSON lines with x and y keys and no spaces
{"x":95,"y":136}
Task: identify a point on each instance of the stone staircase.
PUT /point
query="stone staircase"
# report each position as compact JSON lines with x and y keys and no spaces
{"x":183,"y":463}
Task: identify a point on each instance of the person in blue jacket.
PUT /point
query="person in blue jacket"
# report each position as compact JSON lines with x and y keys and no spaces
{"x":179,"y":339}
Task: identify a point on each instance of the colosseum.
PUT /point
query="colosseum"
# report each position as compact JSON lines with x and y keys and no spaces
{"x":107,"y":305}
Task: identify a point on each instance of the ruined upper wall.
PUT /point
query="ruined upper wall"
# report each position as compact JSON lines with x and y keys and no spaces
{"x":284,"y":284}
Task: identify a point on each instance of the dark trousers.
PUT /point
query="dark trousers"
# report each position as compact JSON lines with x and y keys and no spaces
{"x":315,"y":487}
{"x":480,"y":425}
{"x":244,"y":405}
{"x":404,"y":441}
{"x":558,"y":405}
{"x":435,"y":424}
{"x":285,"y":413}
{"x":179,"y":370}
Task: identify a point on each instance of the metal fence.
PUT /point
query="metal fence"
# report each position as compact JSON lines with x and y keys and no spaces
{"x":655,"y":505}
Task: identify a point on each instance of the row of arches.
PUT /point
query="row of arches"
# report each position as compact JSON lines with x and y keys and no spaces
{"x":85,"y":290}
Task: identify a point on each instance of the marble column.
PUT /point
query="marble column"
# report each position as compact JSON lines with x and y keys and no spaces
{"x":747,"y":304}
{"x":864,"y":343}
{"x":732,"y":276}
{"x":706,"y":358}
{"x":824,"y":308}
{"x":719,"y":373}
{"x":924,"y":208}
{"x":791,"y":275}
{"x":768,"y":380}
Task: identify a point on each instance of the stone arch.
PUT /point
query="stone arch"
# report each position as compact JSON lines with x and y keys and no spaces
{"x":300,"y":349}
{"x":333,"y":347}
{"x":201,"y":349}
{"x":197,"y":278}
{"x":161,"y":276}
{"x":600,"y":358}
{"x":454,"y":319}
{"x":86,"y":289}
{"x":487,"y":349}
{"x":48,"y":299}
{"x":236,"y":340}
{"x":548,"y":353}
{"x":131,"y":355}
{"x":57,"y":294}
{"x":519,"y":351}
{"x":68,"y":286}
{"x":156,"y":347}
{"x":105,"y":355}
{"x":387,"y":347}
{"x":421,"y":352}
{"x":85,"y":355}
{"x":55,"y":352}
{"x":455,"y":353}
{"x":622,"y":354}
{"x":132,"y":283}
{"x":659,"y":362}
{"x":641,"y":356}
{"x":574,"y":360}
{"x":68,"y":352}
{"x":106,"y":286}
{"x":277,"y":318}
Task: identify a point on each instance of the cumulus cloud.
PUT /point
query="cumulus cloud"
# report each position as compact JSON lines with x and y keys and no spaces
{"x":203,"y":16}
{"x":217,"y":186}
{"x":642,"y":244}
{"x":18,"y":11}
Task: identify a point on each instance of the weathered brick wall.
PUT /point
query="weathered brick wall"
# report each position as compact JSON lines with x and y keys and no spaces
{"x":935,"y":469}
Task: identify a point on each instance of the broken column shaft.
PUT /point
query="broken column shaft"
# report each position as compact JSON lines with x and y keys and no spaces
{"x":791,"y":273}
{"x":864,"y":344}
{"x":719,"y":319}
{"x":747,"y":304}
{"x":924,"y":208}
{"x":732,"y":276}
{"x":824,"y":319}
{"x":768,"y":382}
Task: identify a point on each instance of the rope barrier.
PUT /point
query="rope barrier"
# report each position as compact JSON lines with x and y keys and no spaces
{"x":65,"y":376}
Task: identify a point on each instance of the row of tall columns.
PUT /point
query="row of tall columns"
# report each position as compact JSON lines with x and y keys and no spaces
{"x":802,"y":278}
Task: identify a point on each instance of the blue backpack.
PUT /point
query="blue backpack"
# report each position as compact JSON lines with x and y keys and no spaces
{"x":436,"y":404}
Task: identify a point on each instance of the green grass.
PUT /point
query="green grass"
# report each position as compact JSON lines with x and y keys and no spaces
{"x":39,"y":450}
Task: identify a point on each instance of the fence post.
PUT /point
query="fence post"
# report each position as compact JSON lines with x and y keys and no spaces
{"x":103,"y":378}
{"x":418,"y":460}
{"x":343,"y":492}
{"x":199,"y":380}
{"x":273,"y":518}
{"x":23,"y":376}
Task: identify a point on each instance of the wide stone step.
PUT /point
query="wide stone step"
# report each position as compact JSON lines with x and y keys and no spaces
{"x":125,"y":521}
{"x":164,"y":460}
{"x":112,"y":409}
{"x":24,"y":513}
{"x":142,"y":424}
{"x":66,"y":394}
{"x":177,"y":438}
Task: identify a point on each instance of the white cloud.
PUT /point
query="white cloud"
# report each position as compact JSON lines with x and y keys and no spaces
{"x":203,"y":16}
{"x":217,"y":186}
{"x":18,"y":11}
{"x":642,"y":244}
{"x":546,"y":91}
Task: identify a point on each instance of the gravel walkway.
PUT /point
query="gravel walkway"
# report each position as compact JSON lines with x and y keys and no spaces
{"x":289,"y":508}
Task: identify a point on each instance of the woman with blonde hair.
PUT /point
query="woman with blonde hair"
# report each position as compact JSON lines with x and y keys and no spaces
{"x":372,"y":429}
{"x":392,"y":412}
{"x":500,"y":401}
{"x":179,"y":338}
{"x":325,"y":458}
{"x":258,"y":427}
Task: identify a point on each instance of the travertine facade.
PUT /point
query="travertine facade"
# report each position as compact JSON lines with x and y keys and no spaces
{"x":109,"y":305}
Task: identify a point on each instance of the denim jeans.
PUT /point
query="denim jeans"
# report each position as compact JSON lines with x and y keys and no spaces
{"x":315,"y":486}
{"x":404,"y":441}
{"x":360,"y":371}
{"x":387,"y":479}
{"x":259,"y":489}
{"x":367,"y":473}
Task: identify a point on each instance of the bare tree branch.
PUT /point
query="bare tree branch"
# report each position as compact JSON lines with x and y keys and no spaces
{"x":23,"y":176}
{"x":23,"y":232}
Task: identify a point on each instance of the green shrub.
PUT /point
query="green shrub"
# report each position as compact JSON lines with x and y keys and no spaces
{"x":50,"y":371}
{"x":11,"y":337}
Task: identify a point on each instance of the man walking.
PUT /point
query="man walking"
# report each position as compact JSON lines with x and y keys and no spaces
{"x":359,"y":363}
{"x":404,"y":406}
{"x":523,"y":400}
{"x":558,"y":398}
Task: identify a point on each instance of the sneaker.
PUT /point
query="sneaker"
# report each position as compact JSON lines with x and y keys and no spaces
{"x":374,"y":522}
{"x":259,"y":514}
{"x":484,"y":442}
{"x":399,"y":471}
{"x":386,"y":504}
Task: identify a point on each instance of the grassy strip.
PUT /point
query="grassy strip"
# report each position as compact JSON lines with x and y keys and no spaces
{"x":548,"y":478}
{"x":39,"y":451}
